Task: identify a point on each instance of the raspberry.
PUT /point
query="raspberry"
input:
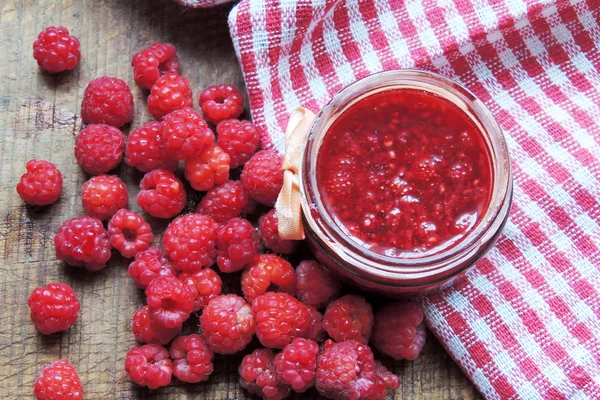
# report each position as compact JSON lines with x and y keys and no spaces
{"x":108,"y":101}
{"x":238,"y":245}
{"x":149,"y":264}
{"x":99,"y":148}
{"x":221,"y":102}
{"x":259,"y":377}
{"x":269,"y":235}
{"x":385,"y":380}
{"x":189,"y":241}
{"x":262,"y":176}
{"x":239,"y":139}
{"x":58,"y":380}
{"x":399,"y":330}
{"x":279,"y":319}
{"x":205,"y":283}
{"x":185,"y":134}
{"x":224,"y":202}
{"x":297,"y":364}
{"x":145,"y":149}
{"x":149,"y":365}
{"x":315,"y":286}
{"x":349,"y":318}
{"x":41,"y":184}
{"x":55,"y":50}
{"x":211,"y":168}
{"x":170,"y":92}
{"x":103,"y":195}
{"x":153,"y":62}
{"x":315,"y":331}
{"x":147,"y":331}
{"x":170,"y":302}
{"x":54,"y":308}
{"x":129,"y":233}
{"x":227,"y":324}
{"x":270,"y":272}
{"x":83,"y":242}
{"x":192,"y":359}
{"x":161,"y":194}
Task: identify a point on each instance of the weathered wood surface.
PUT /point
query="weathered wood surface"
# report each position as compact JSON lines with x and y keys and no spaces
{"x":39,"y":119}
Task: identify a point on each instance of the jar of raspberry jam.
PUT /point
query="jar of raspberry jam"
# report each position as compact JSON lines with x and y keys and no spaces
{"x":405,"y":182}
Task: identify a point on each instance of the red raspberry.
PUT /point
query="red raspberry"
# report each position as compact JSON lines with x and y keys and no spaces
{"x":316,"y":331}
{"x":170,"y":92}
{"x":269,"y":272}
{"x":192,"y":358}
{"x":83,"y":242}
{"x":227,"y":324}
{"x":148,"y":265}
{"x":58,"y":380}
{"x":259,"y":377}
{"x":269,"y":235}
{"x":297,"y":364}
{"x":153,"y":62}
{"x":190,"y":240}
{"x":349,"y":318}
{"x":224,"y":202}
{"x":205,"y":283}
{"x":211,"y":168}
{"x":145,"y":149}
{"x":315,"y":286}
{"x":399,"y":330}
{"x":221,"y":102}
{"x":99,"y":148}
{"x":55,"y":50}
{"x":262,"y":176}
{"x":385,"y":380}
{"x":108,"y":101}
{"x":41,"y":184}
{"x":170,"y":302}
{"x":161,"y":194}
{"x":54,"y":308}
{"x":147,"y":331}
{"x":104,"y":195}
{"x":129,"y":233}
{"x":149,"y":365}
{"x":185,"y":134}
{"x":239,"y":139}
{"x":238,"y":245}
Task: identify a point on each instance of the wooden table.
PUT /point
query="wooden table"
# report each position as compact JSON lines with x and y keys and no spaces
{"x":39,"y":119}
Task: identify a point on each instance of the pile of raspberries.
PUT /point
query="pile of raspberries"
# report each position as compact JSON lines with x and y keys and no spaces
{"x":310,"y":333}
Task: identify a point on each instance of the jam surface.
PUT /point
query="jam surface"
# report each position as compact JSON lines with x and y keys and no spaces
{"x":404,"y":171}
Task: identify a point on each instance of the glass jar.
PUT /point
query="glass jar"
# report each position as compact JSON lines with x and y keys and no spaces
{"x":403,"y":275}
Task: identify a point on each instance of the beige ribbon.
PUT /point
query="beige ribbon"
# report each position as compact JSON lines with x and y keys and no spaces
{"x":288,"y":206}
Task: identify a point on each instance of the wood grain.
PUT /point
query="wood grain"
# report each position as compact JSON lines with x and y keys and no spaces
{"x":39,"y":119}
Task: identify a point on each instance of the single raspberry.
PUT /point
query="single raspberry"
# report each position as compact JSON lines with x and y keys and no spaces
{"x":349,"y":318}
{"x":161,"y":194}
{"x":315,"y":331}
{"x":153,"y":62}
{"x":170,"y":92}
{"x":205,"y":283}
{"x":239,"y":139}
{"x":83,"y":242}
{"x":108,"y":101}
{"x":58,"y":380}
{"x":259,"y":377}
{"x":148,"y":265}
{"x":192,"y":358}
{"x":297,"y":364}
{"x":99,"y":148}
{"x":262,"y":176}
{"x":208,"y":170}
{"x":145,"y":149}
{"x":104,"y":195}
{"x":170,"y":302}
{"x":315,"y":286}
{"x":54,"y":308}
{"x":269,"y":235}
{"x":270,"y":272}
{"x":384,"y":380}
{"x":238,"y":245}
{"x":55,"y":50}
{"x":224,"y":202}
{"x":221,"y":102}
{"x":190,"y":240}
{"x":227,"y":324}
{"x":41,"y":184}
{"x":147,"y":331}
{"x":399,"y":330}
{"x":129,"y":233}
{"x":149,"y":365}
{"x":185,"y":134}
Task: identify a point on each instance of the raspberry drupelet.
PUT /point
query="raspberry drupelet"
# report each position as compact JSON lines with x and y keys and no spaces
{"x":238,"y":245}
{"x":107,"y":100}
{"x":192,"y":358}
{"x":170,"y":302}
{"x":224,"y":202}
{"x":399,"y":330}
{"x":315,"y":331}
{"x":149,"y":365}
{"x":83,"y":242}
{"x":149,"y":264}
{"x":99,"y":148}
{"x":153,"y":62}
{"x":315,"y":286}
{"x":129,"y":233}
{"x":269,"y":272}
{"x":208,"y":170}
{"x":221,"y":102}
{"x":190,"y":242}
{"x":145,"y":149}
{"x":161,"y":194}
{"x":205,"y":283}
{"x":104,"y":195}
{"x":297,"y":363}
{"x":147,"y":331}
{"x":58,"y":380}
{"x":185,"y":134}
{"x":170,"y":92}
{"x":239,"y":139}
{"x":385,"y":379}
{"x":262,"y":176}
{"x":54,"y":308}
{"x":41,"y":184}
{"x":55,"y":50}
{"x":269,"y":235}
{"x":349,"y":318}
{"x":259,"y":377}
